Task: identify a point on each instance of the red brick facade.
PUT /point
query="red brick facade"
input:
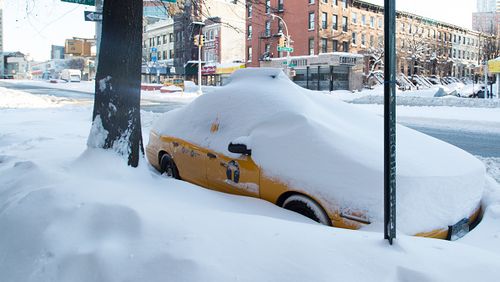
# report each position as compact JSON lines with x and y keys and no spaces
{"x":295,"y":14}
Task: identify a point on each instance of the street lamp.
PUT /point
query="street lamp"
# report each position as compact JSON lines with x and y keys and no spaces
{"x":288,"y":41}
{"x":199,"y":55}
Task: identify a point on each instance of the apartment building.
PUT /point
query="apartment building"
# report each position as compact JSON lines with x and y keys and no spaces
{"x":223,"y":27}
{"x":424,"y":45}
{"x":158,"y":50}
{"x":1,"y":40}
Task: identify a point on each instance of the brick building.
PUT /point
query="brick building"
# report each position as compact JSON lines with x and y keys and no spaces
{"x":424,"y":46}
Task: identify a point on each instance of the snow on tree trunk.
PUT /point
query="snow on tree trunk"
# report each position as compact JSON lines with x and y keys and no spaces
{"x":116,"y":118}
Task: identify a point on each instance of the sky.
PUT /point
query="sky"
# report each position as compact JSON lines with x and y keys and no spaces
{"x":32,"y":26}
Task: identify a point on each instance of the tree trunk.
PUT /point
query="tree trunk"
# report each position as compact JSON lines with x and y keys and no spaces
{"x":116,"y":121}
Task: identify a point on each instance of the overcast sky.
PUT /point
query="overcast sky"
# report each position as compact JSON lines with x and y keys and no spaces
{"x":31,"y":26}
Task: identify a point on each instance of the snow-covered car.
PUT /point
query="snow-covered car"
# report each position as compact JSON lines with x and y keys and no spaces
{"x":263,"y":136}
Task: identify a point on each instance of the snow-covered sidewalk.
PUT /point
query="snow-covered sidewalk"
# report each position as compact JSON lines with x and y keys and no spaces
{"x":71,"y":214}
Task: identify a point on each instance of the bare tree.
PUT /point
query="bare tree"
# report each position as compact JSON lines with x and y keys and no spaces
{"x":416,"y":47}
{"x":116,"y":122}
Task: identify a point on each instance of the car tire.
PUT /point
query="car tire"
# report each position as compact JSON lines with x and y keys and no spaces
{"x":167,"y":166}
{"x":307,"y":207}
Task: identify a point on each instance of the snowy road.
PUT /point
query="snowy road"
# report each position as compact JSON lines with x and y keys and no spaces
{"x":87,"y":98}
{"x":482,"y":143}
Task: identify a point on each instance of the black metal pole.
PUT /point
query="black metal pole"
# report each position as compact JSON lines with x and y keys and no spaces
{"x":319,"y":73}
{"x":390,"y":120}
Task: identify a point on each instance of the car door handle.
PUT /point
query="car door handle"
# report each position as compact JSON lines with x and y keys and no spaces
{"x":211,"y":156}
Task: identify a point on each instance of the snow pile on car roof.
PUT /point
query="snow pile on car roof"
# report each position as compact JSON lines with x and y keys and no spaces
{"x":326,"y":147}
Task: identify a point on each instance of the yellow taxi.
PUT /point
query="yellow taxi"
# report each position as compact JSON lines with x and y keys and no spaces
{"x":263,"y":136}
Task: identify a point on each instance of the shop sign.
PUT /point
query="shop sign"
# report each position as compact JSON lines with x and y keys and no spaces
{"x":207,"y":70}
{"x":229,"y":70}
{"x":345,"y":60}
{"x":494,"y":66}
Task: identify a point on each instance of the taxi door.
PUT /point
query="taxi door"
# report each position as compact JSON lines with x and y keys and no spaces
{"x":239,"y":176}
{"x":191,"y":162}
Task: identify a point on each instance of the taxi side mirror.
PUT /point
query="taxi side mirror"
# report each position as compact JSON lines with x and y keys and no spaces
{"x":239,"y":149}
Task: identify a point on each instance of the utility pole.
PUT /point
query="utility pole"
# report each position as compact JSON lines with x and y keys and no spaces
{"x":287,"y":42}
{"x":390,"y":120}
{"x":98,"y":33}
{"x":200,"y":44}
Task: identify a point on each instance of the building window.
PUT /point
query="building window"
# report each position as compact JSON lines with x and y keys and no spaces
{"x":344,"y":24}
{"x":344,"y":4}
{"x":335,"y":45}
{"x":267,"y":48}
{"x":363,"y":39}
{"x":280,"y":5}
{"x":335,"y":2}
{"x":345,"y":46}
{"x":354,"y":18}
{"x":324,"y":21}
{"x":268,"y":28}
{"x":249,"y":10}
{"x":380,"y":22}
{"x":353,"y":41}
{"x":171,"y":37}
{"x":164,"y":55}
{"x":280,"y":26}
{"x":249,"y":31}
{"x":311,"y":1}
{"x":372,"y":22}
{"x":164,"y":38}
{"x":158,"y":40}
{"x":324,"y":45}
{"x":249,"y":54}
{"x":311,"y":21}
{"x":335,"y":22}
{"x":372,"y":39}
{"x":403,"y":27}
{"x":170,"y":54}
{"x":363,"y":19}
{"x":268,"y":6}
{"x":311,"y":46}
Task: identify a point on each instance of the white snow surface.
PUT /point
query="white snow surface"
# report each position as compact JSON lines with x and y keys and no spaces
{"x":320,"y":146}
{"x":72,"y":214}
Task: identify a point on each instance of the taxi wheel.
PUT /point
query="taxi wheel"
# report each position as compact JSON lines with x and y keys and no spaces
{"x":307,"y":207}
{"x":168,"y":166}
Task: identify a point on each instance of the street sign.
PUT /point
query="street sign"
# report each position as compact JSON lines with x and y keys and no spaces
{"x":286,"y":49}
{"x":83,"y":2}
{"x":93,"y":16}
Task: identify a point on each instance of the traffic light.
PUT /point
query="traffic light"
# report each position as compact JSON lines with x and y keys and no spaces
{"x":202,"y":40}
{"x":196,"y":41}
{"x":281,"y":42}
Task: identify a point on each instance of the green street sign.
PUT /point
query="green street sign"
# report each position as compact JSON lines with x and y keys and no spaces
{"x":286,"y":49}
{"x":83,"y":2}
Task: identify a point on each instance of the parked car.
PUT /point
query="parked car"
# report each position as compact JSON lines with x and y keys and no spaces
{"x":263,"y":136}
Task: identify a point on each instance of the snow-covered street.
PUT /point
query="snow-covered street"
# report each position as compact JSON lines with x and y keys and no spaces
{"x":66,"y":215}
